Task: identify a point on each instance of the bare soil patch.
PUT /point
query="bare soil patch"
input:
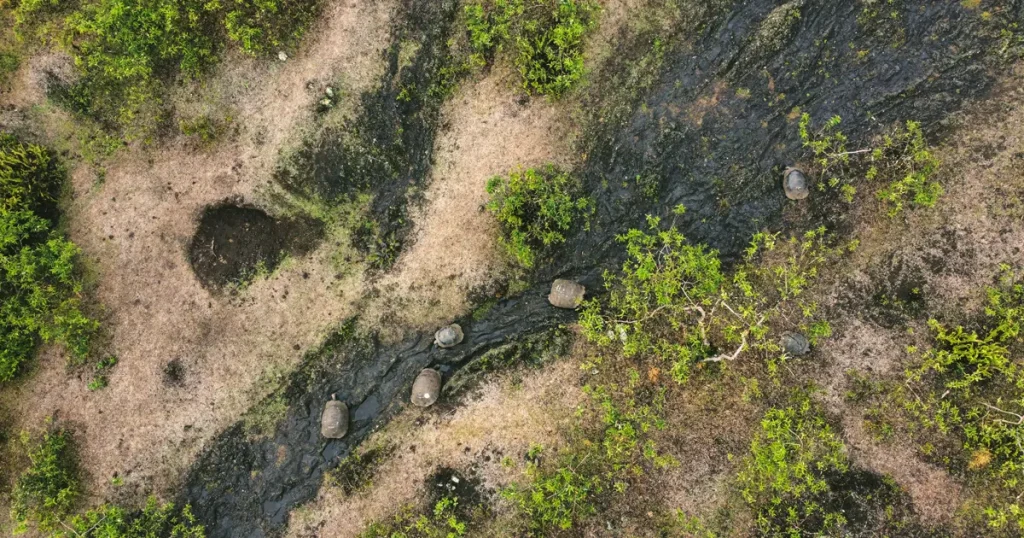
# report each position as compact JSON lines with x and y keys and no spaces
{"x":234,"y":243}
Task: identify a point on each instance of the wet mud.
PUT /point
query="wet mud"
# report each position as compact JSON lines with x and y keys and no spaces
{"x":715,"y":133}
{"x":234,"y":243}
{"x":245,"y":488}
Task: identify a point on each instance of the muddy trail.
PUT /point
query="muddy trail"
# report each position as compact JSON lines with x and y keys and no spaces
{"x":714,"y":134}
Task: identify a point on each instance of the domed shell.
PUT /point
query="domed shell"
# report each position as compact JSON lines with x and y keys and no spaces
{"x":795,"y":344}
{"x":426,"y":388}
{"x":334,"y":421}
{"x":794,"y":182}
{"x":449,"y":336}
{"x":566,"y":294}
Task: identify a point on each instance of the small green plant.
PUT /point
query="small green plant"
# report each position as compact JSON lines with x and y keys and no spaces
{"x":154,"y":520}
{"x":45,"y":492}
{"x":99,"y":380}
{"x":9,"y":63}
{"x":784,"y":476}
{"x":441,"y":522}
{"x":355,"y":473}
{"x":205,"y":128}
{"x":900,"y":157}
{"x":535,"y":210}
{"x":904,"y":156}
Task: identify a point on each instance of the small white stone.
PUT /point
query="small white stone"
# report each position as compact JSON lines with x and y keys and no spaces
{"x":282,"y":56}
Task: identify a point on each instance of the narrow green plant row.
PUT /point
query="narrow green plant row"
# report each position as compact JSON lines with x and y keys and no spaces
{"x":46,"y":493}
{"x":40,"y":285}
{"x":547,"y":36}
{"x":900,"y":157}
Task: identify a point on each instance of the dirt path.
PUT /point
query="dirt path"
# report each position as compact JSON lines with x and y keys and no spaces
{"x":453,"y":249}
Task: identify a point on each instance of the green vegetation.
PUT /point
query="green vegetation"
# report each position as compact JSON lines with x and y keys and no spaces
{"x":127,"y":50}
{"x":901,"y":157}
{"x":261,"y":421}
{"x":39,"y":284}
{"x":598,"y":462}
{"x":783,"y":477}
{"x":355,"y":473}
{"x":672,"y":302}
{"x":962,"y":403}
{"x":46,"y":492}
{"x":904,"y":156}
{"x":154,"y":520}
{"x":441,"y":522}
{"x":535,"y":210}
{"x":102,"y":368}
{"x":548,"y":36}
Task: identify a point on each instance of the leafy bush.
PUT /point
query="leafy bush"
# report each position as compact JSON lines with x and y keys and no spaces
{"x":905,"y":157}
{"x":30,"y":177}
{"x":672,"y":303}
{"x":551,"y":54}
{"x":548,"y":36}
{"x":597,"y":462}
{"x":535,"y":209}
{"x":784,"y":476}
{"x":46,"y":492}
{"x":39,"y":284}
{"x":900,"y":157}
{"x":155,"y":520}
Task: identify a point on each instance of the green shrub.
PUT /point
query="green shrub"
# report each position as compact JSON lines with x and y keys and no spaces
{"x":441,"y":522}
{"x":964,"y":404}
{"x":656,"y":303}
{"x":30,"y":177}
{"x":784,"y":476}
{"x":596,"y":463}
{"x":548,"y":37}
{"x":550,"y":53}
{"x":153,"y":521}
{"x":39,"y":285}
{"x":672,"y":303}
{"x":901,"y":157}
{"x":535,"y":209}
{"x":904,"y":157}
{"x":46,"y":492}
